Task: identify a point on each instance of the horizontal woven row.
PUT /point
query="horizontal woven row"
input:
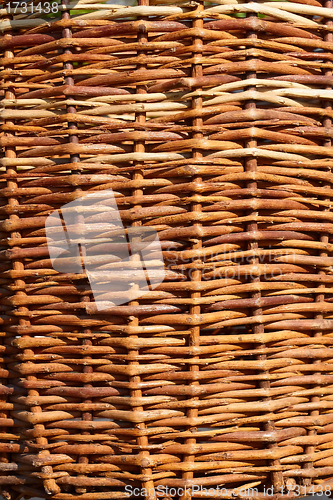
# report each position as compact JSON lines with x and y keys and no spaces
{"x":212,"y":124}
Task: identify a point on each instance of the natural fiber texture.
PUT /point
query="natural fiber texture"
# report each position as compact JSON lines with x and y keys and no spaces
{"x":212,"y":123}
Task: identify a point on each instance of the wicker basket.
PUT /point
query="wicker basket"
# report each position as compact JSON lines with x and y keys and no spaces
{"x":212,"y":124}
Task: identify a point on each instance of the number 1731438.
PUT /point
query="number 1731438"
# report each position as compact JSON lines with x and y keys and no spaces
{"x":32,"y":8}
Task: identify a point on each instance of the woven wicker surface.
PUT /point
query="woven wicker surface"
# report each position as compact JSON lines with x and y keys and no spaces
{"x":212,"y":123}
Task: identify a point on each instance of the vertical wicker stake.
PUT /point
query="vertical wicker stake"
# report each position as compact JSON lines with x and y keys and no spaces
{"x":196,"y":210}
{"x":324,"y":239}
{"x":9,"y":183}
{"x":251,"y":166}
{"x":141,"y":438}
{"x":85,"y":334}
{"x":212,"y":124}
